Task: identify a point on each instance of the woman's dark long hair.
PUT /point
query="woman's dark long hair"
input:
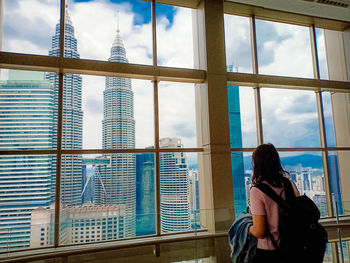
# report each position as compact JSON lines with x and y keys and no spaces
{"x":267,"y":166}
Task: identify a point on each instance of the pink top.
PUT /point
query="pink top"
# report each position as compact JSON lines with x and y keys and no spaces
{"x":261,"y":204}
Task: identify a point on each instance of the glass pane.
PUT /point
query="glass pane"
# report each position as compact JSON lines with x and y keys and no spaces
{"x":107,"y":197}
{"x":177,"y":198}
{"x":194,"y":194}
{"x":328,"y":119}
{"x":126,"y":35}
{"x":107,"y":113}
{"x":335,"y":182}
{"x":306,"y":171}
{"x":27,"y":111}
{"x":241,"y":117}
{"x":29,"y":25}
{"x":290,"y":118}
{"x":328,"y":256}
{"x":283,"y":49}
{"x":339,"y":169}
{"x":177,"y":112}
{"x":27,"y":189}
{"x":241,"y":178}
{"x":321,"y":51}
{"x":340,"y":105}
{"x":145,"y":194}
{"x":174,"y":36}
{"x":238,"y":45}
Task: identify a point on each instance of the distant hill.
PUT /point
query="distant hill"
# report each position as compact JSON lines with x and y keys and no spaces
{"x":306,"y":160}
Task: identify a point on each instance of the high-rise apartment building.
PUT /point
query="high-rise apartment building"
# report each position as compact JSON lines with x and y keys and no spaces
{"x":174,"y":188}
{"x":72,"y":124}
{"x":26,"y":123}
{"x":118,"y":181}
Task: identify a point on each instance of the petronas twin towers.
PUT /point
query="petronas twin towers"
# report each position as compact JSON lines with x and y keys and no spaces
{"x":116,"y":184}
{"x":118,"y":181}
{"x":30,"y":109}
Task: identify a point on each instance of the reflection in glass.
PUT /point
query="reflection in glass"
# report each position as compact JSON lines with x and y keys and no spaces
{"x":306,"y":171}
{"x":241,"y":178}
{"x":328,"y":119}
{"x":179,"y":194}
{"x":290,"y":118}
{"x":339,"y":169}
{"x":283,"y":49}
{"x":335,"y":182}
{"x":27,"y":187}
{"x":238,"y":45}
{"x":128,"y":26}
{"x":241,"y":117}
{"x":321,"y":51}
{"x":174,"y":36}
{"x":341,"y":121}
{"x":177,"y":112}
{"x":28,"y":25}
{"x":328,"y":256}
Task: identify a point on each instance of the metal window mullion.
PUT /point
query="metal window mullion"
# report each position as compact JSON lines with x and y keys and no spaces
{"x":315,"y":62}
{"x":324,"y":153}
{"x":154,"y":33}
{"x":257,"y":98}
{"x":254,"y":45}
{"x":156,"y":128}
{"x":321,"y":122}
{"x":59,"y":129}
{"x":327,"y":179}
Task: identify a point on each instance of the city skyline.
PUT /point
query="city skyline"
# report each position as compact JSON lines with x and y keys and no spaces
{"x":74,"y":167}
{"x":137,"y":36}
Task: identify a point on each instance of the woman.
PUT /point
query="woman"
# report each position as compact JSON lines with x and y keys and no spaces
{"x":267,"y":169}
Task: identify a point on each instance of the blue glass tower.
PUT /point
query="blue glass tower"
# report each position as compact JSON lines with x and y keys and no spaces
{"x":72,"y":124}
{"x":335,"y":182}
{"x":237,"y":163}
{"x":26,"y":123}
{"x":145,"y":194}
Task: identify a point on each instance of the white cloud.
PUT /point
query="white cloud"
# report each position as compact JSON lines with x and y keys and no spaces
{"x":237,"y":43}
{"x":290,"y":118}
{"x":177,"y":112}
{"x":248,"y":119}
{"x":28,"y":23}
{"x":175,"y":41}
{"x":291,"y":50}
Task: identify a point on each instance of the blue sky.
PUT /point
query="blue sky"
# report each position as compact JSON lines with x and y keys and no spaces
{"x":283,"y":50}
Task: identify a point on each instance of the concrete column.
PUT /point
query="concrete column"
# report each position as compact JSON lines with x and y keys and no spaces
{"x":215,"y":175}
{"x":338,"y":59}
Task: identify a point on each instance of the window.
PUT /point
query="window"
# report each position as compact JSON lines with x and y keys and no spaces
{"x":144,"y":122}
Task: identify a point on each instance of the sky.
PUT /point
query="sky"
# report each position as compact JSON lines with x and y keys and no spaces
{"x":289,"y":116}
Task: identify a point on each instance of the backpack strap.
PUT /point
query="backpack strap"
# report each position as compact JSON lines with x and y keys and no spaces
{"x":288,"y":188}
{"x":266,"y":189}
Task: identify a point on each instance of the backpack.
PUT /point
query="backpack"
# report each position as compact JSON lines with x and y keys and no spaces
{"x":301,"y":237}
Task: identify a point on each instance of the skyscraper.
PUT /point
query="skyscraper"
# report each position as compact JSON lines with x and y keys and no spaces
{"x":26,"y":123}
{"x":174,"y":188}
{"x":72,"y":124}
{"x":118,"y":181}
{"x":237,"y":163}
{"x":145,"y":195}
